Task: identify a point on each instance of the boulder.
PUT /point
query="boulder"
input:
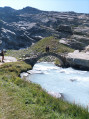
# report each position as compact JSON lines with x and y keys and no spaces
{"x":78,"y":60}
{"x":65,"y":28}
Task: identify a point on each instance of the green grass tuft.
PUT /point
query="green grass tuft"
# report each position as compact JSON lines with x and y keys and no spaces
{"x":20,"y":99}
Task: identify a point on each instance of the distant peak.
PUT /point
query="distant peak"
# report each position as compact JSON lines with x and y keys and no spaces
{"x":29,"y":10}
{"x":28,"y":7}
{"x":7,"y":9}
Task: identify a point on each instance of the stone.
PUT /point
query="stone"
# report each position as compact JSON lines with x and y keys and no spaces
{"x":65,"y":28}
{"x":78,"y":60}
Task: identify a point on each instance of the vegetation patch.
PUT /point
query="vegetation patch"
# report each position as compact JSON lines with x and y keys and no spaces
{"x":40,"y":46}
{"x":20,"y":99}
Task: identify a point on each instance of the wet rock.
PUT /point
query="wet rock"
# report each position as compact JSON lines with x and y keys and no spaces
{"x":23,"y":75}
{"x":57,"y":95}
{"x":72,"y":80}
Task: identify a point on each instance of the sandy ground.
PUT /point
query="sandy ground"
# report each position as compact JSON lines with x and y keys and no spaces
{"x":79,"y":55}
{"x":7,"y":59}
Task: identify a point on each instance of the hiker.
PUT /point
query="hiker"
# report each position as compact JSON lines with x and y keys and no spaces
{"x":2,"y":54}
{"x":47,"y":49}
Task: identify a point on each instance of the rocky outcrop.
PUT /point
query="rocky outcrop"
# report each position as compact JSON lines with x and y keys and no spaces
{"x":22,"y":28}
{"x":76,"y":41}
{"x":65,"y":29}
{"x":78,"y":60}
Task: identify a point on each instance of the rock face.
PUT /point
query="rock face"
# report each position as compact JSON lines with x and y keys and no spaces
{"x":79,"y":60}
{"x":65,"y":28}
{"x":22,"y":28}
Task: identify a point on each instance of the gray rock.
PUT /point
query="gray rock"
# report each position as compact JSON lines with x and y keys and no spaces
{"x":22,"y":28}
{"x":79,"y":60}
{"x":65,"y":28}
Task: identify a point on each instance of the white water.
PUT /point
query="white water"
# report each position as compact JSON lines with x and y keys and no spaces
{"x":73,"y":84}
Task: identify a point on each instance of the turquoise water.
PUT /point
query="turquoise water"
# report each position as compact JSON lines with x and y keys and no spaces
{"x":72,"y":84}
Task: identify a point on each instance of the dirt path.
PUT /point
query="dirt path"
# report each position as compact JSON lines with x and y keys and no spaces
{"x":8,"y":59}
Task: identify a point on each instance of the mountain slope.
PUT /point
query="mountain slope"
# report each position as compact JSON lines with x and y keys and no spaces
{"x":22,"y":28}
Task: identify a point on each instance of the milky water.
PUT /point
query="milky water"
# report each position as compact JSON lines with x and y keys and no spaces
{"x":72,"y":84}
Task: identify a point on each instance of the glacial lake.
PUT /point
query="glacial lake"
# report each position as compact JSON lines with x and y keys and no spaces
{"x":72,"y":84}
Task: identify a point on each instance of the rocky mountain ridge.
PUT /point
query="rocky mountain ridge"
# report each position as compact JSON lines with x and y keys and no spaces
{"x":22,"y":28}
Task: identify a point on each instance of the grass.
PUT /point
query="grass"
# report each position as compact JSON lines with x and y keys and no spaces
{"x":53,"y":43}
{"x":20,"y":99}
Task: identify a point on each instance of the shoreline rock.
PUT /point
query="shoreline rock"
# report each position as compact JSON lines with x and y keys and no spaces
{"x":78,"y":60}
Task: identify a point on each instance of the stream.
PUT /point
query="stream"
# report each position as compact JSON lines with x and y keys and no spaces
{"x":72,"y":84}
